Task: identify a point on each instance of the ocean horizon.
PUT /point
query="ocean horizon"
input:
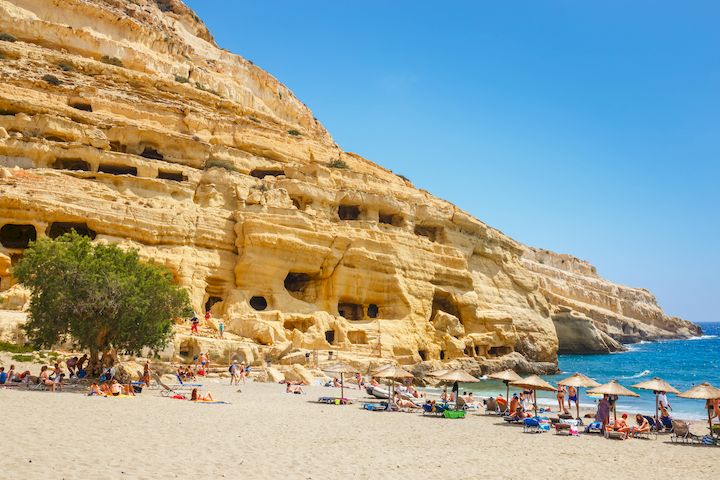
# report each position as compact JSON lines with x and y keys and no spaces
{"x":682,"y":363}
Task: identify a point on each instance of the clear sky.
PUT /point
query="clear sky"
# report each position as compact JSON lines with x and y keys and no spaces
{"x":590,"y":128}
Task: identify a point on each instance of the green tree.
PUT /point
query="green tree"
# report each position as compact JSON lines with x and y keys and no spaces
{"x":99,"y":296}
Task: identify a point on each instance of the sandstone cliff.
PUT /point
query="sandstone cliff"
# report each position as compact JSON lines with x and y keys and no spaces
{"x":124,"y":121}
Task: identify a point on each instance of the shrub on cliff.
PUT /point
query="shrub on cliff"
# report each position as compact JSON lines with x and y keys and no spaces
{"x":51,"y":79}
{"x":111,"y":61}
{"x":6,"y":37}
{"x":102,"y":298}
{"x":340,"y":164}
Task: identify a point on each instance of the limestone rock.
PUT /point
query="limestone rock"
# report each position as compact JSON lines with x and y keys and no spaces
{"x":156,"y":139}
{"x":577,"y":334}
{"x":298,"y":373}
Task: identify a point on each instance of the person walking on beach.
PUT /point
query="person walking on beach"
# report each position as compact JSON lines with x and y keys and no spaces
{"x":146,"y":374}
{"x":242,"y":373}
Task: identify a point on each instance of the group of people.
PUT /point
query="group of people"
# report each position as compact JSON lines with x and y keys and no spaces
{"x":572,"y":396}
{"x":238,"y":372}
{"x":195,"y":324}
{"x":607,"y":404}
{"x":111,"y":388}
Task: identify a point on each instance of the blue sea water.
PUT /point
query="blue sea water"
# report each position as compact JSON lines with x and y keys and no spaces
{"x":682,"y":363}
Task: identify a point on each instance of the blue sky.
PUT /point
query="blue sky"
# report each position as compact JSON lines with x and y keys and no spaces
{"x":591,"y":128}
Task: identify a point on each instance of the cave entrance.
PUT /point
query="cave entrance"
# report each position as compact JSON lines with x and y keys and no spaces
{"x":17,"y":236}
{"x":71,"y":164}
{"x":350,"y":311}
{"x":211,"y":301}
{"x":189,"y":349}
{"x":442,"y":354}
{"x":443,"y":302}
{"x":117,"y":169}
{"x":302,"y":324}
{"x":357,"y":337}
{"x":330,"y":336}
{"x":170,"y":175}
{"x":431,"y":233}
{"x":499,"y":351}
{"x":58,"y":229}
{"x":349,"y":212}
{"x":300,"y":286}
{"x":152,"y":154}
{"x":262,"y":173}
{"x":373,"y":310}
{"x":258,"y":303}
{"x":390,"y":219}
{"x":301,"y":203}
{"x":423,"y":355}
{"x":84,"y":106}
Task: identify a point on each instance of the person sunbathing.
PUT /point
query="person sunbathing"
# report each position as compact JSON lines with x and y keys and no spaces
{"x":115,"y":388}
{"x":196,"y":396}
{"x":620,"y":425}
{"x":293,"y":388}
{"x":403,"y":403}
{"x":373,"y":382}
{"x":336,"y":383}
{"x":105,"y":389}
{"x":643,"y":426}
{"x":95,"y":390}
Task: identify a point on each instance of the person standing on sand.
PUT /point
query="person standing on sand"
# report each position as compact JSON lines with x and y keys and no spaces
{"x":146,"y":374}
{"x":71,"y":364}
{"x":603,"y":412}
{"x":242,"y":373}
{"x":572,"y":397}
{"x":561,"y":399}
{"x":234,"y":380}
{"x":204,"y":363}
{"x":359,"y":380}
{"x":662,"y":400}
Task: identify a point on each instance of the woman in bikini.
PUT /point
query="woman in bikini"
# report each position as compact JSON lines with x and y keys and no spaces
{"x":561,"y":398}
{"x":196,"y":396}
{"x":643,"y":426}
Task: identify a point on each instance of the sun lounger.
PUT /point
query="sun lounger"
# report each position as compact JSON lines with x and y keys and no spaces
{"x":375,"y":407}
{"x":613,"y":435}
{"x":681,"y":433}
{"x":434,"y":409}
{"x":594,"y":427}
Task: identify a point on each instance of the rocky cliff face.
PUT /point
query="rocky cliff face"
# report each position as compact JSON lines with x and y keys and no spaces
{"x":586,"y":306}
{"x":124,"y":121}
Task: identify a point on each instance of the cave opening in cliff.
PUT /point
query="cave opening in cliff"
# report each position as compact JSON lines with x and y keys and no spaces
{"x":71,"y":164}
{"x":349,"y":212}
{"x":302,"y":324}
{"x":117,"y":169}
{"x":258,"y":303}
{"x":330,"y":336}
{"x":477,"y":351}
{"x":357,"y":337}
{"x":84,"y":106}
{"x":17,"y":236}
{"x":211,"y":301}
{"x":373,"y":310}
{"x":57,"y":229}
{"x":442,"y":354}
{"x":299,"y":202}
{"x":152,"y":154}
{"x":431,"y":233}
{"x":351,"y":311}
{"x":189,"y":349}
{"x":262,"y":173}
{"x":390,"y":219}
{"x":499,"y":351}
{"x":443,"y":302}
{"x":423,"y":355}
{"x":171,"y":175}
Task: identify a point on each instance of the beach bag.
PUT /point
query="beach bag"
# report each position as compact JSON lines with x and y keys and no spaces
{"x":708,"y":440}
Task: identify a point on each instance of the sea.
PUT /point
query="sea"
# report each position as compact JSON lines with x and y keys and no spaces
{"x":682,"y":363}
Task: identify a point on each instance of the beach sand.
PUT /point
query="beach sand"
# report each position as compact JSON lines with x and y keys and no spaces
{"x":266,"y":433}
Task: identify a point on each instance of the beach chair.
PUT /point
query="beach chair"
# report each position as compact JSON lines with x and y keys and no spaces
{"x":375,"y":407}
{"x":437,"y":409}
{"x":594,"y":427}
{"x":613,"y":435}
{"x":531,"y":425}
{"x":681,"y":433}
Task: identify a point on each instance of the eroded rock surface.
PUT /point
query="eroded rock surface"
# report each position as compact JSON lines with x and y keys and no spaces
{"x":124,"y":121}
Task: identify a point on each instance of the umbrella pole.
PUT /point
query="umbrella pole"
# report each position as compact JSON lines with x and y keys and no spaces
{"x":342,"y":388}
{"x":577,"y":402}
{"x":535,"y":401}
{"x":710,"y":422}
{"x":657,"y":419}
{"x":507,"y":393}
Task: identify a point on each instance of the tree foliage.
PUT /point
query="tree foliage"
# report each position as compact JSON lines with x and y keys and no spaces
{"x":98,"y":295}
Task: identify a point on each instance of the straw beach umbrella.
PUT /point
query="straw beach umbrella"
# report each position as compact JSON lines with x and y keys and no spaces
{"x":613,"y":388}
{"x":704,"y":391}
{"x":342,"y":369}
{"x":656,"y":385}
{"x":456,"y":376}
{"x":578,"y":380}
{"x":534,"y":383}
{"x":506,"y":376}
{"x":391,"y":372}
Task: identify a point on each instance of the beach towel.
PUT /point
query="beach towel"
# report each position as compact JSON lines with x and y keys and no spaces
{"x":212,"y":402}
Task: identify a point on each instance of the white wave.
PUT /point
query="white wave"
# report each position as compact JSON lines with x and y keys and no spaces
{"x":644,"y":373}
{"x":704,"y":337}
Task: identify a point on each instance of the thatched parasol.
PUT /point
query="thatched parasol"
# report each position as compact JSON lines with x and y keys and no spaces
{"x":534,"y":383}
{"x":656,"y":385}
{"x":438,"y":373}
{"x":578,"y":380}
{"x":341,"y":368}
{"x":613,"y":388}
{"x":455,"y":376}
{"x":391,"y":372}
{"x":506,"y":376}
{"x":704,"y":391}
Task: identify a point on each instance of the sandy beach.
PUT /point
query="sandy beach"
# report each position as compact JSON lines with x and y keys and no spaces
{"x":266,"y":433}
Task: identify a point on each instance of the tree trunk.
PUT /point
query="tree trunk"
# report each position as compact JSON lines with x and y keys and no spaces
{"x":94,"y":367}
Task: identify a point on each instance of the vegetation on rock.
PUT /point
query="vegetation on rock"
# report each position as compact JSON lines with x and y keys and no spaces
{"x":340,"y":164}
{"x":111,"y":61}
{"x":51,"y":79}
{"x":6,"y":37}
{"x":101,"y":297}
{"x":294,"y":133}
